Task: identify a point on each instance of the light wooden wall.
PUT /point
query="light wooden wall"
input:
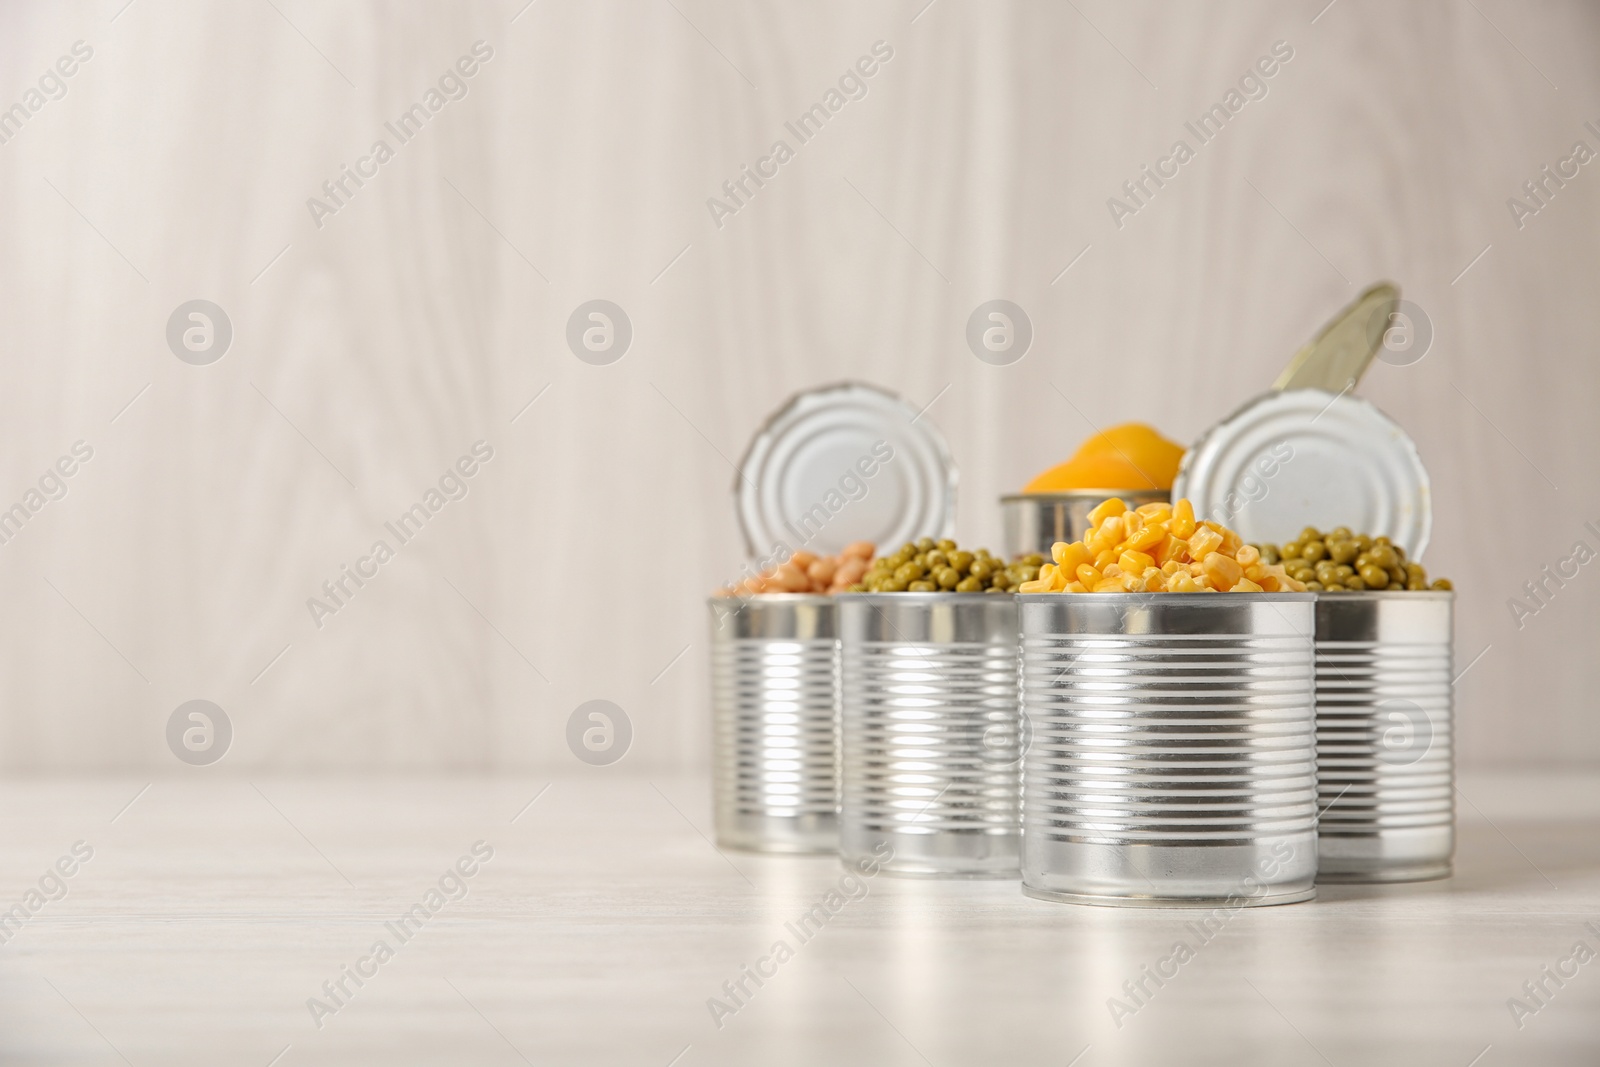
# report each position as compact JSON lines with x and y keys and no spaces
{"x":425,"y":315}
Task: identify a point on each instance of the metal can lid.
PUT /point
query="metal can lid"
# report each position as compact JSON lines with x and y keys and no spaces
{"x":1306,"y":457}
{"x":846,"y":462}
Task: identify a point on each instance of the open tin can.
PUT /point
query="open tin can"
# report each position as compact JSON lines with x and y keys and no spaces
{"x":1034,"y":522}
{"x":773,"y":687}
{"x":928,"y":725}
{"x":1172,"y":755}
{"x":1385,"y":770}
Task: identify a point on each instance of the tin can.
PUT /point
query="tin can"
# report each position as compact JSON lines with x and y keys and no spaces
{"x":1385,"y":767}
{"x":1172,"y":759}
{"x":774,"y":678}
{"x":1033,"y":522}
{"x":928,"y":720}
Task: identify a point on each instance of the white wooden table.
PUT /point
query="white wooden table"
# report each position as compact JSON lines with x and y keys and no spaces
{"x":213,"y":909}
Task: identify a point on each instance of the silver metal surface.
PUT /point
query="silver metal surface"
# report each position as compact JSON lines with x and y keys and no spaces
{"x":1033,"y":522}
{"x":1385,"y":737}
{"x":842,"y":463}
{"x":1285,"y":461}
{"x":929,"y":732}
{"x":774,"y":666}
{"x":1171,"y":761}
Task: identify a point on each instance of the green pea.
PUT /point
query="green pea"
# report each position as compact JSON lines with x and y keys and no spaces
{"x":909,"y":572}
{"x":1443,"y":584}
{"x":982,"y":569}
{"x":949,"y":578}
{"x":1032,"y":559}
{"x":1313,"y":550}
{"x":1313,"y":586}
{"x":935,"y":560}
{"x":1354,"y":583}
{"x":962,"y":561}
{"x":1374,"y":576}
{"x":946,"y":545}
{"x":1291,"y":550}
{"x":893,"y":585}
{"x":1383,"y":556}
{"x":1310,"y":533}
{"x":1343,"y":571}
{"x":1269,"y":554}
{"x":1343,"y":551}
{"x":926,"y":544}
{"x":1340,"y":533}
{"x":921,"y":587}
{"x":969,"y":585}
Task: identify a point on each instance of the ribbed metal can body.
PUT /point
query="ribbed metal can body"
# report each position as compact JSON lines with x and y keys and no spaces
{"x":1385,"y":736}
{"x":774,"y":680}
{"x":1171,"y":761}
{"x":928,"y":720}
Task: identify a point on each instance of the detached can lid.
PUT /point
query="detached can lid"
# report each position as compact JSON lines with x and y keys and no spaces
{"x":1307,"y":457}
{"x":847,"y":462}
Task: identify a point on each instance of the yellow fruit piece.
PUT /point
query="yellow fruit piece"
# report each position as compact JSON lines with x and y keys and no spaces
{"x":1245,"y":585}
{"x":1223,"y":572}
{"x":1170,"y":567}
{"x":1108,"y":535}
{"x":1058,"y":581}
{"x":1135,"y":562}
{"x":1182,"y":582}
{"x":1247,"y":554}
{"x":1104,"y":559}
{"x":1106,"y":509}
{"x":1046,"y":573}
{"x":1131,"y":583}
{"x":1203,"y":543}
{"x":1172,"y":550}
{"x":1034,"y":587}
{"x":1076,"y":587}
{"x":1108,"y":585}
{"x":1130,"y":456}
{"x":1112,"y":570}
{"x":1088,"y":575}
{"x":1132,"y":523}
{"x":1069,"y":556}
{"x":1148,"y":537}
{"x":1155,"y":512}
{"x":1182,"y":524}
